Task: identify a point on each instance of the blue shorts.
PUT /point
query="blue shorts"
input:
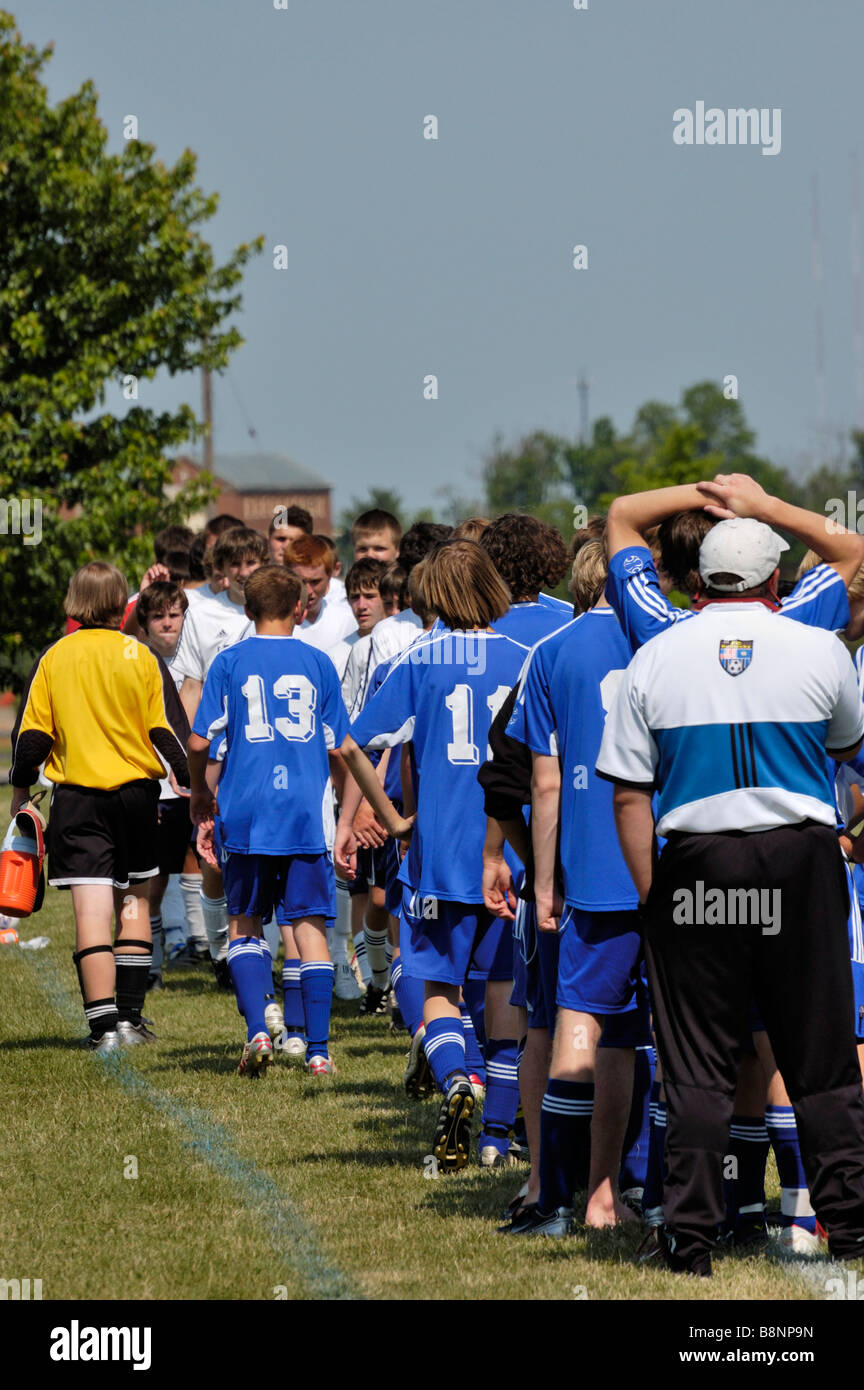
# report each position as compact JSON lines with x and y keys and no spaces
{"x":373,"y":868}
{"x":291,"y":885}
{"x":535,"y":968}
{"x":438,"y":939}
{"x":599,"y":963}
{"x":632,"y":1029}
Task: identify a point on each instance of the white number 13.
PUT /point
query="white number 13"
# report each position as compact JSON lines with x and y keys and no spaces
{"x":299,"y":725}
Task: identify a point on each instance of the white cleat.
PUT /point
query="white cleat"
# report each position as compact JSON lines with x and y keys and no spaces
{"x":291,"y":1047}
{"x":800,"y":1241}
{"x":257,"y":1056}
{"x":274,"y":1020}
{"x":345,"y":985}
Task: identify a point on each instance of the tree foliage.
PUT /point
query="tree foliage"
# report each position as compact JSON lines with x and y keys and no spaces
{"x":104,"y":277}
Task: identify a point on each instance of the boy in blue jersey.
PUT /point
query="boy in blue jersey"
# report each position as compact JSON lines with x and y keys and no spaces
{"x":633,"y":589}
{"x":442,"y":695}
{"x":566,"y":690}
{"x":273,"y":704}
{"x":527,"y":553}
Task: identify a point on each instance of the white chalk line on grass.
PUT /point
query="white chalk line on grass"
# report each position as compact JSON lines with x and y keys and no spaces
{"x":290,"y":1235}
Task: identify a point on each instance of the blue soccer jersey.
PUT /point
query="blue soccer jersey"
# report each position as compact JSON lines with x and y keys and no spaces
{"x":565,"y":693}
{"x":277,"y":705}
{"x":818,"y":600}
{"x":531,"y":622}
{"x":442,"y":695}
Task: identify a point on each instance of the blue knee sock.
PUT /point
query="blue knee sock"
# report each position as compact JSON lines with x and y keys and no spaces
{"x":244,"y":963}
{"x":444,"y":1045}
{"x":655,"y":1175}
{"x":292,"y":999}
{"x":473,"y":1056}
{"x":316,"y":982}
{"x":266,"y":970}
{"x":502,"y":1093}
{"x":634,"y":1161}
{"x":565,"y":1141}
{"x":409,"y":997}
{"x":794,"y":1195}
{"x":744,"y":1176}
{"x":474,"y":994}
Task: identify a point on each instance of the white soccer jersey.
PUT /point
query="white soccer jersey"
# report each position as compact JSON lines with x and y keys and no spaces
{"x":357,"y":674}
{"x":212,"y":624}
{"x":729,"y":718}
{"x":394,"y":635}
{"x":334,"y":623}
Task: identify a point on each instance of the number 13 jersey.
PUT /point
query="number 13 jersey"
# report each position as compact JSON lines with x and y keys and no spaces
{"x":275,"y":706}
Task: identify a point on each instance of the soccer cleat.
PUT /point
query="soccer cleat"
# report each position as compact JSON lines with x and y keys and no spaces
{"x":274,"y":1020}
{"x":222,"y":974}
{"x":531,"y":1221}
{"x":374,"y":1001}
{"x":632,"y":1198}
{"x":321,"y":1066}
{"x":133,"y":1034}
{"x":291,"y":1046}
{"x":257,"y":1056}
{"x":344,"y":984}
{"x":749,"y":1233}
{"x":479,"y":1089}
{"x":698,"y":1263}
{"x":799,"y":1241}
{"x":453,"y":1130}
{"x":418,"y":1079}
{"x":397,"y":1022}
{"x":492,"y":1157}
{"x":515,"y":1204}
{"x":109,"y":1042}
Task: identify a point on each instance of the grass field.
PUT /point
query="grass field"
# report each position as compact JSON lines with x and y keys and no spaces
{"x":286,"y":1188}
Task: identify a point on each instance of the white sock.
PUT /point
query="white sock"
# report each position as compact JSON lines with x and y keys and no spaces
{"x":215,"y":912}
{"x":342,"y":926}
{"x":190,"y":887}
{"x":376,"y":954}
{"x":362,"y":962}
{"x":173,"y":913}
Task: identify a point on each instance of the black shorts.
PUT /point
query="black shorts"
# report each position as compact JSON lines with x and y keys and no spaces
{"x":99,"y":836}
{"x":175,"y":834}
{"x":375,"y":868}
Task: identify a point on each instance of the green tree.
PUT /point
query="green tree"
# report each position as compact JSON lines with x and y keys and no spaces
{"x":104,"y":277}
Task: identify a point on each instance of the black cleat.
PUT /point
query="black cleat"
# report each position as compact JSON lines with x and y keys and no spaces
{"x":222,"y":974}
{"x":531,"y":1221}
{"x":697,"y":1263}
{"x":453,"y":1130}
{"x":418,"y":1079}
{"x":374,"y":1001}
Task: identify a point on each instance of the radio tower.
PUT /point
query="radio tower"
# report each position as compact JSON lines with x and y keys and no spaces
{"x":857,"y":335}
{"x":583,"y":385}
{"x":820,"y":350}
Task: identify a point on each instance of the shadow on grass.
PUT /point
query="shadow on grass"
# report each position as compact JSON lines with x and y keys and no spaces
{"x":41,"y":1044}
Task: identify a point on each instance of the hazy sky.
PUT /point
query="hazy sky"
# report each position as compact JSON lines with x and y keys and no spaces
{"x":410,"y":256}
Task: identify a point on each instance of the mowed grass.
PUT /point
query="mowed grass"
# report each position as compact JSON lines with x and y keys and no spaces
{"x":286,"y":1187}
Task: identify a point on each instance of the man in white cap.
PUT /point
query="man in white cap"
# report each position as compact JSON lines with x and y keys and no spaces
{"x":728,"y":720}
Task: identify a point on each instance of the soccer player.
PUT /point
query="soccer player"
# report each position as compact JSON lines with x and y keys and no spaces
{"x":566,"y":690}
{"x":159,"y":613}
{"x":396,"y":634}
{"x":274,"y":703}
{"x":213,"y":623}
{"x":375,"y":535}
{"x":442,"y":695}
{"x":95,"y":714}
{"x":287,"y":525}
{"x":326,"y":622}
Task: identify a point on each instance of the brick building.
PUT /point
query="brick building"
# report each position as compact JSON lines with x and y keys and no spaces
{"x":253,"y":486}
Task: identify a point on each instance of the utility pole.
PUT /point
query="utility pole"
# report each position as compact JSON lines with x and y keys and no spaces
{"x":583,"y":386}
{"x":207,"y":410}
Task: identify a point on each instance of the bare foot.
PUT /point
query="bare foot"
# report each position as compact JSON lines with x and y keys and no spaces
{"x":600,"y":1214}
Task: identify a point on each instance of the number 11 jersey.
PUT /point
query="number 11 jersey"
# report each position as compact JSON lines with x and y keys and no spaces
{"x":275,"y":705}
{"x":442,"y":695}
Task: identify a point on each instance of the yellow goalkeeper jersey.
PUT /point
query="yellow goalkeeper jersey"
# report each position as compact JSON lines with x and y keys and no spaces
{"x":97,"y":693}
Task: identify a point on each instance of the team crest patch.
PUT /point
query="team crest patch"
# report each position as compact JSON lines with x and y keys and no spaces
{"x":735,"y":655}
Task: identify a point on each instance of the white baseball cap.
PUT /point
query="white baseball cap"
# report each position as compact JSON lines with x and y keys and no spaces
{"x":743,"y":547}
